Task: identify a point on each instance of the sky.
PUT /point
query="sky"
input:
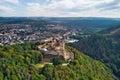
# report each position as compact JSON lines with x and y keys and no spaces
{"x":60,"y":8}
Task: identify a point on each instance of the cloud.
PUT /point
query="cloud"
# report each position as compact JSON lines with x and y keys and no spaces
{"x":35,"y":9}
{"x":109,"y":6}
{"x":70,"y":7}
{"x":11,"y":1}
{"x":6,"y":10}
{"x":68,"y":4}
{"x":67,"y":8}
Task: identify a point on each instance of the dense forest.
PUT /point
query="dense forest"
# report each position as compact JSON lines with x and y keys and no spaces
{"x":85,"y":22}
{"x":103,"y":46}
{"x":19,"y":62}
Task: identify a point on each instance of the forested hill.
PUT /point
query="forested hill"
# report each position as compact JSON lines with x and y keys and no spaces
{"x":103,"y":46}
{"x":22,"y":62}
{"x":85,"y":22}
{"x":74,"y":22}
{"x":113,"y":32}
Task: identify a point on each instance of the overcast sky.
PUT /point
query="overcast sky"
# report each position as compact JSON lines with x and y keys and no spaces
{"x":60,"y":8}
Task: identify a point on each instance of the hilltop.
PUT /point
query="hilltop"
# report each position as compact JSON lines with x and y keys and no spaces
{"x":24,"y":61}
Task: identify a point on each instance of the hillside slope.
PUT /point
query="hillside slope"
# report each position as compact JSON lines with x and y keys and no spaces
{"x":20,"y":62}
{"x":104,"y":46}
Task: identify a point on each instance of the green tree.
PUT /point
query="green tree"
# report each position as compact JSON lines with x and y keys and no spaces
{"x":56,"y":61}
{"x":1,"y":75}
{"x":14,"y":77}
{"x":48,"y":71}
